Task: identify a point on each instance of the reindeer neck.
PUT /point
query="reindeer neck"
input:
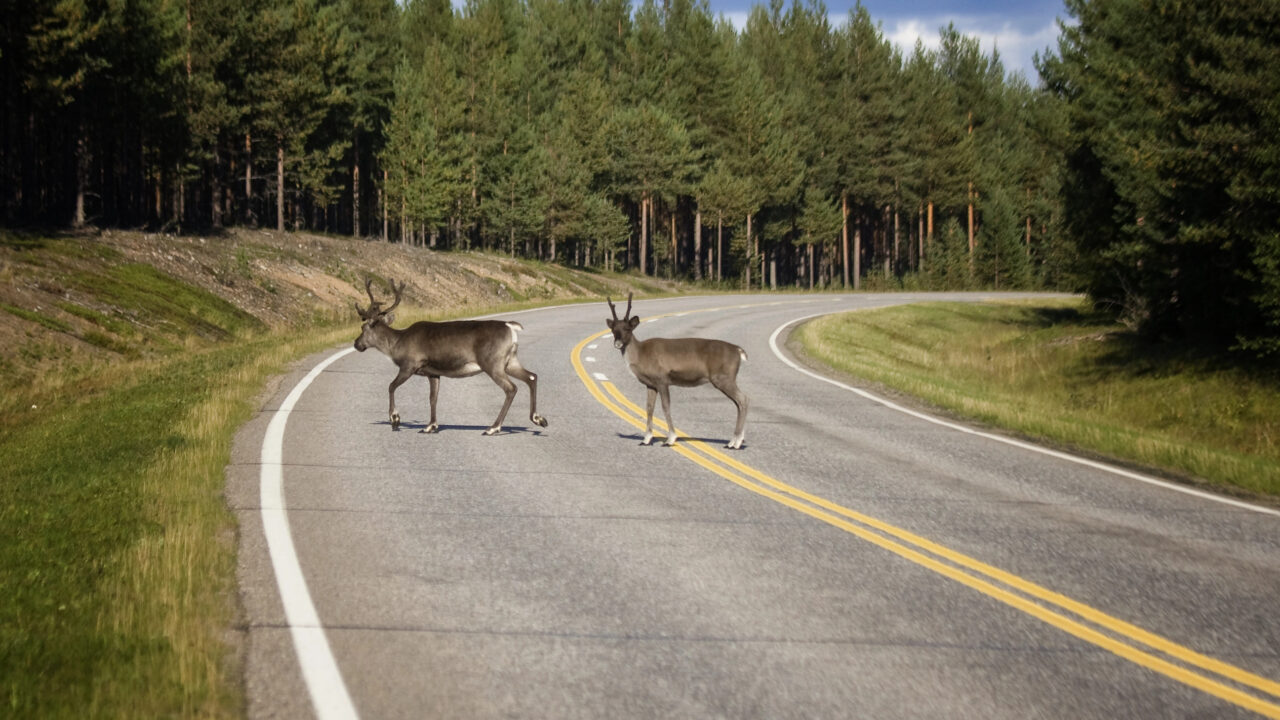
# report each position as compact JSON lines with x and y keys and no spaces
{"x":385,"y":337}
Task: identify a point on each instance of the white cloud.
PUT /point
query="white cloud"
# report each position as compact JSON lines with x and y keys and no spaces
{"x":1015,"y":44}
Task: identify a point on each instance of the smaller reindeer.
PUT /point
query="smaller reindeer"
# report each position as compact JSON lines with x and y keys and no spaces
{"x":447,"y":349}
{"x":659,"y":363}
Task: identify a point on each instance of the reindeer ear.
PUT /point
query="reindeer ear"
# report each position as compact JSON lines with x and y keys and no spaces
{"x":389,"y":318}
{"x":634,"y":322}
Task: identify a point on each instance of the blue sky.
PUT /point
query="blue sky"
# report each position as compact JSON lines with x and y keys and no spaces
{"x":1018,"y":29}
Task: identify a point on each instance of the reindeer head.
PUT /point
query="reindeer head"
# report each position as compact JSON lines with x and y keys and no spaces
{"x":374,"y":314}
{"x":622,"y":329}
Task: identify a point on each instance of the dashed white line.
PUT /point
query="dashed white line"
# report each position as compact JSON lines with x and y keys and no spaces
{"x":599,"y":376}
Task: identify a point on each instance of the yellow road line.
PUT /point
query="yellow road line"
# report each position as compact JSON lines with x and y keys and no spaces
{"x":839,"y":516}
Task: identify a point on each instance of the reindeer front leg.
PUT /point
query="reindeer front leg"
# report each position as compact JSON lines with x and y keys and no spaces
{"x":435,"y":393}
{"x":648,"y":419}
{"x":391,"y":394}
{"x":516,"y":370}
{"x":665,"y":393}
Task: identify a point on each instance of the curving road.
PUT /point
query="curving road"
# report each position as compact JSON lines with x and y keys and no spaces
{"x":852,"y":560}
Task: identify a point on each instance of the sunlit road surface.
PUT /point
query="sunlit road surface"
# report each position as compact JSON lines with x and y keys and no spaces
{"x":855,"y":559}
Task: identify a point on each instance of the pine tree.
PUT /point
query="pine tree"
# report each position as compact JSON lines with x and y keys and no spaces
{"x":1172,"y":149}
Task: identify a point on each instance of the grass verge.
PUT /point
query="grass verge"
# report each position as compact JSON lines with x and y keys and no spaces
{"x":1056,"y":372}
{"x":117,"y":550}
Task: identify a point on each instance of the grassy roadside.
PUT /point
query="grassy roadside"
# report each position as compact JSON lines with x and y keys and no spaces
{"x":1054,"y":371}
{"x":117,"y":410}
{"x":117,"y":550}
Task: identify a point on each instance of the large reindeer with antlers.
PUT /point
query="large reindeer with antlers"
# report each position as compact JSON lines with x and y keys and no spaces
{"x":447,"y":349}
{"x":659,"y":363}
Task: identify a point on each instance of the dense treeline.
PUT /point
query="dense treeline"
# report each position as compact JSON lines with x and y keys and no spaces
{"x":653,"y":137}
{"x":658,"y":138}
{"x":1173,"y":163}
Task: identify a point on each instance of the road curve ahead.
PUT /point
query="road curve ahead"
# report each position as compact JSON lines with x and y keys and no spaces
{"x":852,"y":560}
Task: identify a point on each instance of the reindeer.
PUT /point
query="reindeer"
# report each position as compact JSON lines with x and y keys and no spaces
{"x":659,"y":363}
{"x":447,"y":349}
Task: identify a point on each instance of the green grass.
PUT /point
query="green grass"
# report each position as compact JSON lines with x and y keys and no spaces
{"x":1054,"y":371}
{"x":117,"y":549}
{"x":39,"y":318}
{"x":170,"y":305}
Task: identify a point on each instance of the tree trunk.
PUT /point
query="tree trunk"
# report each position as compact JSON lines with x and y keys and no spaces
{"x":970,"y":228}
{"x":810,"y":267}
{"x":82,"y":175}
{"x":897,"y":266}
{"x":675,"y":248}
{"x":857,"y":256}
{"x":747,"y":264}
{"x":216,"y":189}
{"x":644,"y":232}
{"x":697,"y":243}
{"x":355,"y":184}
{"x":929,"y":237}
{"x":920,"y":240}
{"x":279,"y":183}
{"x":844,"y":235}
{"x":719,"y":246}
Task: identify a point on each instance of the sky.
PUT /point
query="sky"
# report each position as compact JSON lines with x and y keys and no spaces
{"x":1017,"y":28}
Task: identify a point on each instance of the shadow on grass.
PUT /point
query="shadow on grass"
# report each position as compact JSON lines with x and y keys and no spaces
{"x":1128,"y":354}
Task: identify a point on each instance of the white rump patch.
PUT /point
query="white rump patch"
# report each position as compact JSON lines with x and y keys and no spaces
{"x":515,"y":328}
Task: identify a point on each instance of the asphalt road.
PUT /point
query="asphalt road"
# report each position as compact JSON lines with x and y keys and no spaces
{"x":851,"y":561}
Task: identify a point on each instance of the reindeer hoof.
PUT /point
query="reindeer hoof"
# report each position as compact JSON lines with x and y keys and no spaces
{"x":492,"y":430}
{"x":430,"y":428}
{"x":670,"y":442}
{"x":395,"y":422}
{"x":539,"y":420}
{"x":735,"y":444}
{"x":647,"y":439}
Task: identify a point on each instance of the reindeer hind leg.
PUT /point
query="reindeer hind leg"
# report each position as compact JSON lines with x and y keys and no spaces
{"x":729,"y":386}
{"x":664,"y":393}
{"x":499,"y":376}
{"x":435,"y":393}
{"x":517,"y":371}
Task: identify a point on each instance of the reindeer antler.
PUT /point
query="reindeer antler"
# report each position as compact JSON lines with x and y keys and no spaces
{"x":614,"y":310}
{"x":372,"y":310}
{"x":398,"y":292}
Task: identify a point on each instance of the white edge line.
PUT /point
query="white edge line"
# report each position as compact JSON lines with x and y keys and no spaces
{"x":773,"y":344}
{"x":328,"y":692}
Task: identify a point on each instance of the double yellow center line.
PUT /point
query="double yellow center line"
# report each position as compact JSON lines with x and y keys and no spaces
{"x":1220,"y":679}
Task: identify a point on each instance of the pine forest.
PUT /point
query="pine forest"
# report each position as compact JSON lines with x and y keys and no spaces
{"x":657,"y":138}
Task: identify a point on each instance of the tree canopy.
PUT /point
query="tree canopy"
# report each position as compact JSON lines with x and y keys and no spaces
{"x":1142,"y":168}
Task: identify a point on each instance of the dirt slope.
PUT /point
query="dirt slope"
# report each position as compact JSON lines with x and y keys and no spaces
{"x":90,"y":297}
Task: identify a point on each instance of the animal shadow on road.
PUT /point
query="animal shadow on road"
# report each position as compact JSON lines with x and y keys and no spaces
{"x":659,"y":438}
{"x":506,"y":429}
